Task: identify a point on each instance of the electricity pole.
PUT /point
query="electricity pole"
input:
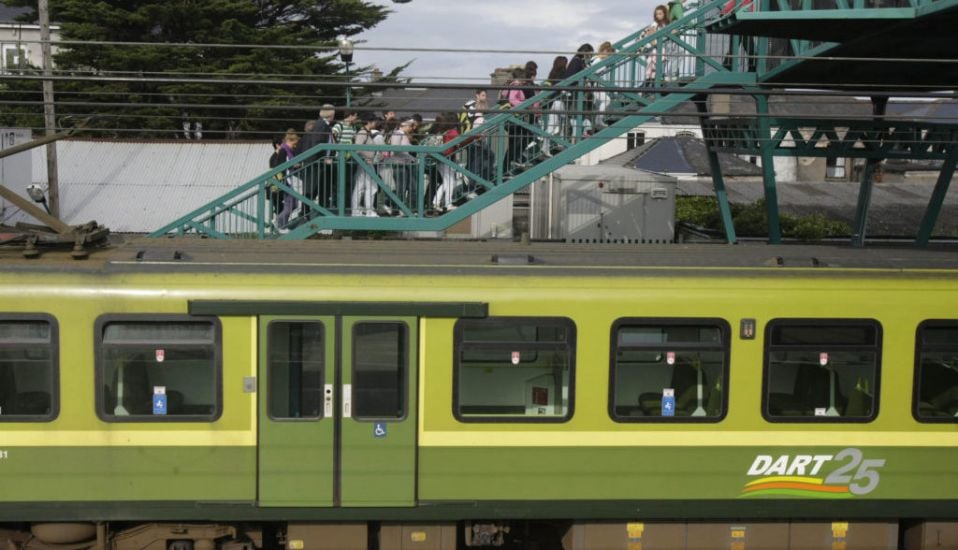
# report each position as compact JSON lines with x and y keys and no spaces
{"x":49,"y":115}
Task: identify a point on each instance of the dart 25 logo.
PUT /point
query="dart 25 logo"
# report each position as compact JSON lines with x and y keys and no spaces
{"x":846,"y":474}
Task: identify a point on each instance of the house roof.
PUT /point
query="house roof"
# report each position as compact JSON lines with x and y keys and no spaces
{"x":928,"y":111}
{"x":681,"y":155}
{"x":9,"y":14}
{"x":427,"y":102}
{"x":664,"y":155}
{"x":140,"y":186}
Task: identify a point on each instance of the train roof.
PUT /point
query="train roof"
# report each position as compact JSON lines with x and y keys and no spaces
{"x":192,"y":255}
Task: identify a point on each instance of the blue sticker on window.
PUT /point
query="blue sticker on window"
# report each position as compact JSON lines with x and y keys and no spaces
{"x":159,"y":403}
{"x":379,"y":429}
{"x":668,"y":402}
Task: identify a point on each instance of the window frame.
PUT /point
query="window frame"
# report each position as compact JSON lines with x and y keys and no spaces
{"x":269,"y":392}
{"x":726,"y":343}
{"x":55,"y":375}
{"x":22,"y":52}
{"x":767,"y":347}
{"x":99,"y":364}
{"x":916,"y":381}
{"x":404,"y":390}
{"x":509,"y":320}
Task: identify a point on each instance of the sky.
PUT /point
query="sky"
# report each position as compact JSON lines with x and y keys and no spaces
{"x":528,"y":25}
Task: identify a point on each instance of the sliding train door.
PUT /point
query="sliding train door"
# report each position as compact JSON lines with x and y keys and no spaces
{"x":337,"y":411}
{"x":378,"y":447}
{"x":297,"y":369}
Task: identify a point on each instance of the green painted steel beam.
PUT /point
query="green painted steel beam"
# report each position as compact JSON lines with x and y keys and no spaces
{"x":806,"y":16}
{"x":864,"y":200}
{"x":852,"y":138}
{"x":879,"y":108}
{"x":929,"y":7}
{"x":718,"y":180}
{"x":930,"y":218}
{"x":767,"y":149}
{"x":244,"y":308}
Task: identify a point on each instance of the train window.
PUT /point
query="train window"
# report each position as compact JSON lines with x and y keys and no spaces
{"x":158,"y":368}
{"x":379,"y":370}
{"x":821,"y":370}
{"x":28,"y":369}
{"x":517,"y":369}
{"x":669,"y":370}
{"x":296,"y":354}
{"x":936,"y":376}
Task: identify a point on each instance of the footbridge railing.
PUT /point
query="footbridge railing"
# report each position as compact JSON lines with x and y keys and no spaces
{"x":429,"y":188}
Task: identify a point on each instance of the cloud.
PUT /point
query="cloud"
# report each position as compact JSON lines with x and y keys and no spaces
{"x":508,"y":25}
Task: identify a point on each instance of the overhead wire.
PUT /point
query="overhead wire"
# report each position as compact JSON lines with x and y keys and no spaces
{"x":331,"y":47}
{"x":399,"y":90}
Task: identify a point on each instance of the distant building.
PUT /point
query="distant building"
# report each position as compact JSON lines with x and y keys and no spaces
{"x":20,"y":42}
{"x":428,"y":102}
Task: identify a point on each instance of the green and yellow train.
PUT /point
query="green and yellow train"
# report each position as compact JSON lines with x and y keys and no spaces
{"x":186,"y":394}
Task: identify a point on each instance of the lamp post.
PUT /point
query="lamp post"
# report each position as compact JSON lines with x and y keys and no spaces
{"x":346,"y":54}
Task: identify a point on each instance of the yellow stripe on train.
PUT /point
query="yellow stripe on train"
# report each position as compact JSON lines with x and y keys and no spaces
{"x":129,"y":438}
{"x":808,"y":438}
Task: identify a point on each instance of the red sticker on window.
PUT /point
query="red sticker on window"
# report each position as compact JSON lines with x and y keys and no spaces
{"x":670,"y":357}
{"x":823,"y":358}
{"x":540,"y":396}
{"x":160,"y":355}
{"x":516,"y":356}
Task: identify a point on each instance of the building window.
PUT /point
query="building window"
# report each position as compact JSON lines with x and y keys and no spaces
{"x":936,"y":372}
{"x":634,"y":139}
{"x":379,"y":374}
{"x":821,"y":370}
{"x":835,"y":167}
{"x":28,"y":369}
{"x":158,"y":368}
{"x":296,"y":354}
{"x":517,"y":369}
{"x":669,"y":370}
{"x":15,"y":58}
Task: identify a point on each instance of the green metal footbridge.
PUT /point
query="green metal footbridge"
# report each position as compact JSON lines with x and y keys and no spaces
{"x":874,"y":48}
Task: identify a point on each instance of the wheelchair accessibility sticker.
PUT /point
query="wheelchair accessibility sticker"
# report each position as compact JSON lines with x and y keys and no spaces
{"x":379,"y":429}
{"x":159,"y":400}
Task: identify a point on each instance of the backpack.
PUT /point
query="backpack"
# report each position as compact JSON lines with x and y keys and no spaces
{"x":277,"y":158}
{"x":504,"y":97}
{"x":465,"y":116}
{"x":432,"y":140}
{"x":378,"y":139}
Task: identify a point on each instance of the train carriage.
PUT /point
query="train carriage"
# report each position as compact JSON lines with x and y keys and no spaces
{"x":186,"y":394}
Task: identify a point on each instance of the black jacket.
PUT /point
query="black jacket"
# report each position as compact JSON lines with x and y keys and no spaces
{"x":322,"y":133}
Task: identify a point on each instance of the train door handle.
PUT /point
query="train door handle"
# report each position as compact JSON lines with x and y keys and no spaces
{"x":347,"y":400}
{"x":328,"y":401}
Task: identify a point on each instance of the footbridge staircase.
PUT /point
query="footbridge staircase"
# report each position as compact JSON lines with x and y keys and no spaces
{"x":756,"y":48}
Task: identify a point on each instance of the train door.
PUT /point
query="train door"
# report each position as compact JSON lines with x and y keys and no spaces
{"x":337,"y":411}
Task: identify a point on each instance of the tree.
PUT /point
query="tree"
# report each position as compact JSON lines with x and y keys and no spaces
{"x":282,"y":68}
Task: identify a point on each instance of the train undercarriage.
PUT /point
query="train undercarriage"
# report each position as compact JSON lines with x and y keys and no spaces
{"x":518,"y":535}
